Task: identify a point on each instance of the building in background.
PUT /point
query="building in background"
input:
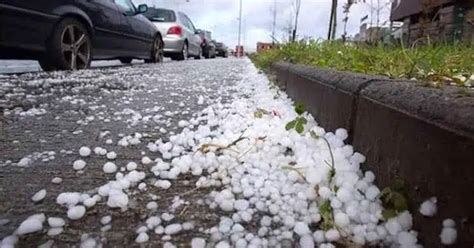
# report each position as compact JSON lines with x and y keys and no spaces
{"x":373,"y":34}
{"x":263,"y":46}
{"x":435,"y":20}
{"x":239,"y":51}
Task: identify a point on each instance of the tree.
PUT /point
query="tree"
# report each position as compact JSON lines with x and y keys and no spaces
{"x":274,"y":13}
{"x":346,"y":9}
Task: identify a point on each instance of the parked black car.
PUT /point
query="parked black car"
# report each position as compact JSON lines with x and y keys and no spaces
{"x":207,"y":45}
{"x":221,"y":50}
{"x":68,"y":34}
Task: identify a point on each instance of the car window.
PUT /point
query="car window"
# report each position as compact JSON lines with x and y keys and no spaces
{"x":190,"y":23}
{"x":160,"y":15}
{"x":184,"y":21}
{"x":125,"y":5}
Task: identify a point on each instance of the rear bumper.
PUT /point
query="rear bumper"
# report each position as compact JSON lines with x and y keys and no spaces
{"x":23,"y":32}
{"x":173,"y":44}
{"x":221,"y":53}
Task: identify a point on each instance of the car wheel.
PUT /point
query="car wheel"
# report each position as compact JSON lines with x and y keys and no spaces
{"x":156,"y":52}
{"x":199,"y":56}
{"x":126,"y":60}
{"x":184,"y":53}
{"x":69,"y":46}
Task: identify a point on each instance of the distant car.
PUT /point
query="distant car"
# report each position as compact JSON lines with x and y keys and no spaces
{"x":221,"y":49}
{"x":208,"y":45}
{"x":68,"y":34}
{"x":181,"y":38}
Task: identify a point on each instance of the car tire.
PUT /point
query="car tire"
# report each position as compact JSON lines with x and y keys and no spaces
{"x":69,"y":47}
{"x":157,"y":53}
{"x":126,"y":61}
{"x":183,"y":55}
{"x":199,"y":56}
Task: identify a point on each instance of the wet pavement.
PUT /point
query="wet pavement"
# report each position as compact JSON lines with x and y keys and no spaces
{"x":46,"y":117}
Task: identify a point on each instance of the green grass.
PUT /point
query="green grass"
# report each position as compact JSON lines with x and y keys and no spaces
{"x":452,"y":64}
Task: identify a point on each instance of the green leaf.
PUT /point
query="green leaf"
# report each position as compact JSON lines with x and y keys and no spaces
{"x":260,"y":112}
{"x":386,"y":196}
{"x":299,"y":127}
{"x":303,"y":120}
{"x":313,"y":134}
{"x":331,"y":174}
{"x":290,"y":125}
{"x":325,"y":210}
{"x":300,"y":122}
{"x":389,"y":213}
{"x":399,"y":202}
{"x":299,"y":108}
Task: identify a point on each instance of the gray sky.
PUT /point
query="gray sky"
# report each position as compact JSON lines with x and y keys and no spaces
{"x":221,"y":17}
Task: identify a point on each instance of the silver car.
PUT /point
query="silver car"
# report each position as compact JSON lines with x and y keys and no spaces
{"x":181,"y":38}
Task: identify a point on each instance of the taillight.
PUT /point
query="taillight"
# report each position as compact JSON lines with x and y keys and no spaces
{"x":175,"y":30}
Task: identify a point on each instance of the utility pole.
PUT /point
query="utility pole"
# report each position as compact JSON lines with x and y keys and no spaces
{"x":378,"y":12}
{"x":274,"y":20}
{"x":244,"y":32}
{"x":240,"y":30}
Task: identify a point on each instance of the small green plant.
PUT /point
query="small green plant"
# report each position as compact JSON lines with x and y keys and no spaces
{"x":394,"y":199}
{"x":299,"y":108}
{"x":299,"y":122}
{"x":260,"y":113}
{"x":332,"y":168}
{"x":325,"y":210}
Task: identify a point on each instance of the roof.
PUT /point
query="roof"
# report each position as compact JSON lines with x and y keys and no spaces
{"x":405,"y":8}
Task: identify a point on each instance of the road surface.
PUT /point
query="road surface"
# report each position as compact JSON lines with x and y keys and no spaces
{"x":48,"y":117}
{"x":193,"y":152}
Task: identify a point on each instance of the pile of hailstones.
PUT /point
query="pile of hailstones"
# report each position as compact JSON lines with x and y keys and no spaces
{"x":272,"y":180}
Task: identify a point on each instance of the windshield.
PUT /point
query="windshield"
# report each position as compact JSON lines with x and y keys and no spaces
{"x":160,"y":15}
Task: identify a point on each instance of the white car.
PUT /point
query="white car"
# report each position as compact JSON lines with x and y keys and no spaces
{"x":180,"y":37}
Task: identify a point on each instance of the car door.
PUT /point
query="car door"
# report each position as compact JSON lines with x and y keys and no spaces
{"x":193,"y":38}
{"x":196,"y":37}
{"x":33,"y":22}
{"x":106,"y":20}
{"x":141,"y":33}
{"x":138,"y":36}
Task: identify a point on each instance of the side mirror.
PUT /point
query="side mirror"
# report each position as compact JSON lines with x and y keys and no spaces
{"x":142,"y":8}
{"x":197,"y":32}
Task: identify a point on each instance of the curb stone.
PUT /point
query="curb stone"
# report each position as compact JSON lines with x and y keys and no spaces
{"x":425,"y":136}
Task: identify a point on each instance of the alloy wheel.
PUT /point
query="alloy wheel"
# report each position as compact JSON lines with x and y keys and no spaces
{"x":157,"y":51}
{"x":75,"y":47}
{"x":185,"y":51}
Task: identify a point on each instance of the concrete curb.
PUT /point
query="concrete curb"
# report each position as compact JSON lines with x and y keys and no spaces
{"x":422,"y":135}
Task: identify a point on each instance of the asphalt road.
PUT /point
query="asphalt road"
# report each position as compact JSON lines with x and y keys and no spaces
{"x":47,"y":117}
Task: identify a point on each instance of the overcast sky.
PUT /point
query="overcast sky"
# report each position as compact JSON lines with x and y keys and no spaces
{"x":221,"y":17}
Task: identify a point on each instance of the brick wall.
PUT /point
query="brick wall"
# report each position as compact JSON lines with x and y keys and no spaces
{"x":440,"y":24}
